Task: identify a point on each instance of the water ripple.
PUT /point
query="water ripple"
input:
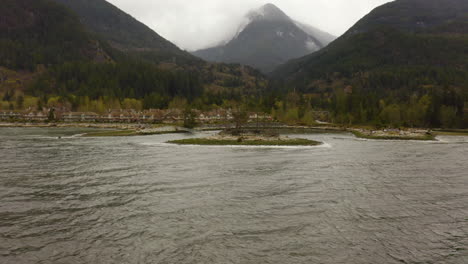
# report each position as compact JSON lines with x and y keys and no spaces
{"x":140,"y":200}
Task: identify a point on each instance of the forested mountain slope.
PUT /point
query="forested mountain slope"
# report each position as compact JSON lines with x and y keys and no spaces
{"x":36,"y":32}
{"x":49,"y":58}
{"x":405,"y":62}
{"x":125,"y":33}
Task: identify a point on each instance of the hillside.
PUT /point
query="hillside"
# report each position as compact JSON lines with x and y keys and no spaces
{"x":125,"y":33}
{"x":416,"y":32}
{"x":34,"y":32}
{"x":141,"y":43}
{"x":402,"y":51}
{"x":49,"y":59}
{"x":266,"y":39}
{"x":417,"y":16}
{"x":47,"y":53}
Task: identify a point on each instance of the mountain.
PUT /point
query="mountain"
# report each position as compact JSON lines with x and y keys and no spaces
{"x":266,"y":39}
{"x":49,"y":58}
{"x":400,"y":33}
{"x":125,"y":33}
{"x":42,"y":32}
{"x":136,"y":40}
{"x":403,"y":54}
{"x":323,"y":37}
{"x":417,"y":16}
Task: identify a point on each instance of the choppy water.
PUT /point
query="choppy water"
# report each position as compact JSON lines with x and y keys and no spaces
{"x":138,"y":200}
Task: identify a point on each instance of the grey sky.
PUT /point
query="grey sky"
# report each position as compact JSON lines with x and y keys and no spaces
{"x":195,"y":24}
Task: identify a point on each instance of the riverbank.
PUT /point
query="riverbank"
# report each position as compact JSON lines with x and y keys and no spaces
{"x":132,"y":129}
{"x":451,"y":132}
{"x":108,"y":129}
{"x":122,"y":126}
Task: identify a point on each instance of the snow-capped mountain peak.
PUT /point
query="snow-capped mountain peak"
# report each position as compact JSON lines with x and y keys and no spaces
{"x":266,"y":38}
{"x":267,"y":12}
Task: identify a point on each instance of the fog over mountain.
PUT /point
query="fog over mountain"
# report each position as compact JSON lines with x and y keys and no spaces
{"x":266,"y":38}
{"x":199,"y":24}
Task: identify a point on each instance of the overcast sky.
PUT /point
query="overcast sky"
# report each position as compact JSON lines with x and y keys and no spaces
{"x":195,"y":24}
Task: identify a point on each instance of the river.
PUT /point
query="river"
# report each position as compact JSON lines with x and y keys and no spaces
{"x":139,"y":200}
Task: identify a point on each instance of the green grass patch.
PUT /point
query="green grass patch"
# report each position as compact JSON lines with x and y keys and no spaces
{"x":225,"y":142}
{"x":391,"y":137}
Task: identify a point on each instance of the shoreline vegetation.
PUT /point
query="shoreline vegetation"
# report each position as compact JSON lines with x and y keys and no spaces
{"x":132,"y":129}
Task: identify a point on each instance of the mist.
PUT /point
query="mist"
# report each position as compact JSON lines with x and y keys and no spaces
{"x":197,"y":24}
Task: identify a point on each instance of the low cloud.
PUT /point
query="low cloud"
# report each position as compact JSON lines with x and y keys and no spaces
{"x":199,"y":24}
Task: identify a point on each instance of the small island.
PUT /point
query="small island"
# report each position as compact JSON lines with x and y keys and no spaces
{"x":393,"y":134}
{"x":247,"y":138}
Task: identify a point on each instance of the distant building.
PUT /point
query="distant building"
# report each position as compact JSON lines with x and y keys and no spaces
{"x":80,"y":117}
{"x":36,"y":116}
{"x":168,"y":116}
